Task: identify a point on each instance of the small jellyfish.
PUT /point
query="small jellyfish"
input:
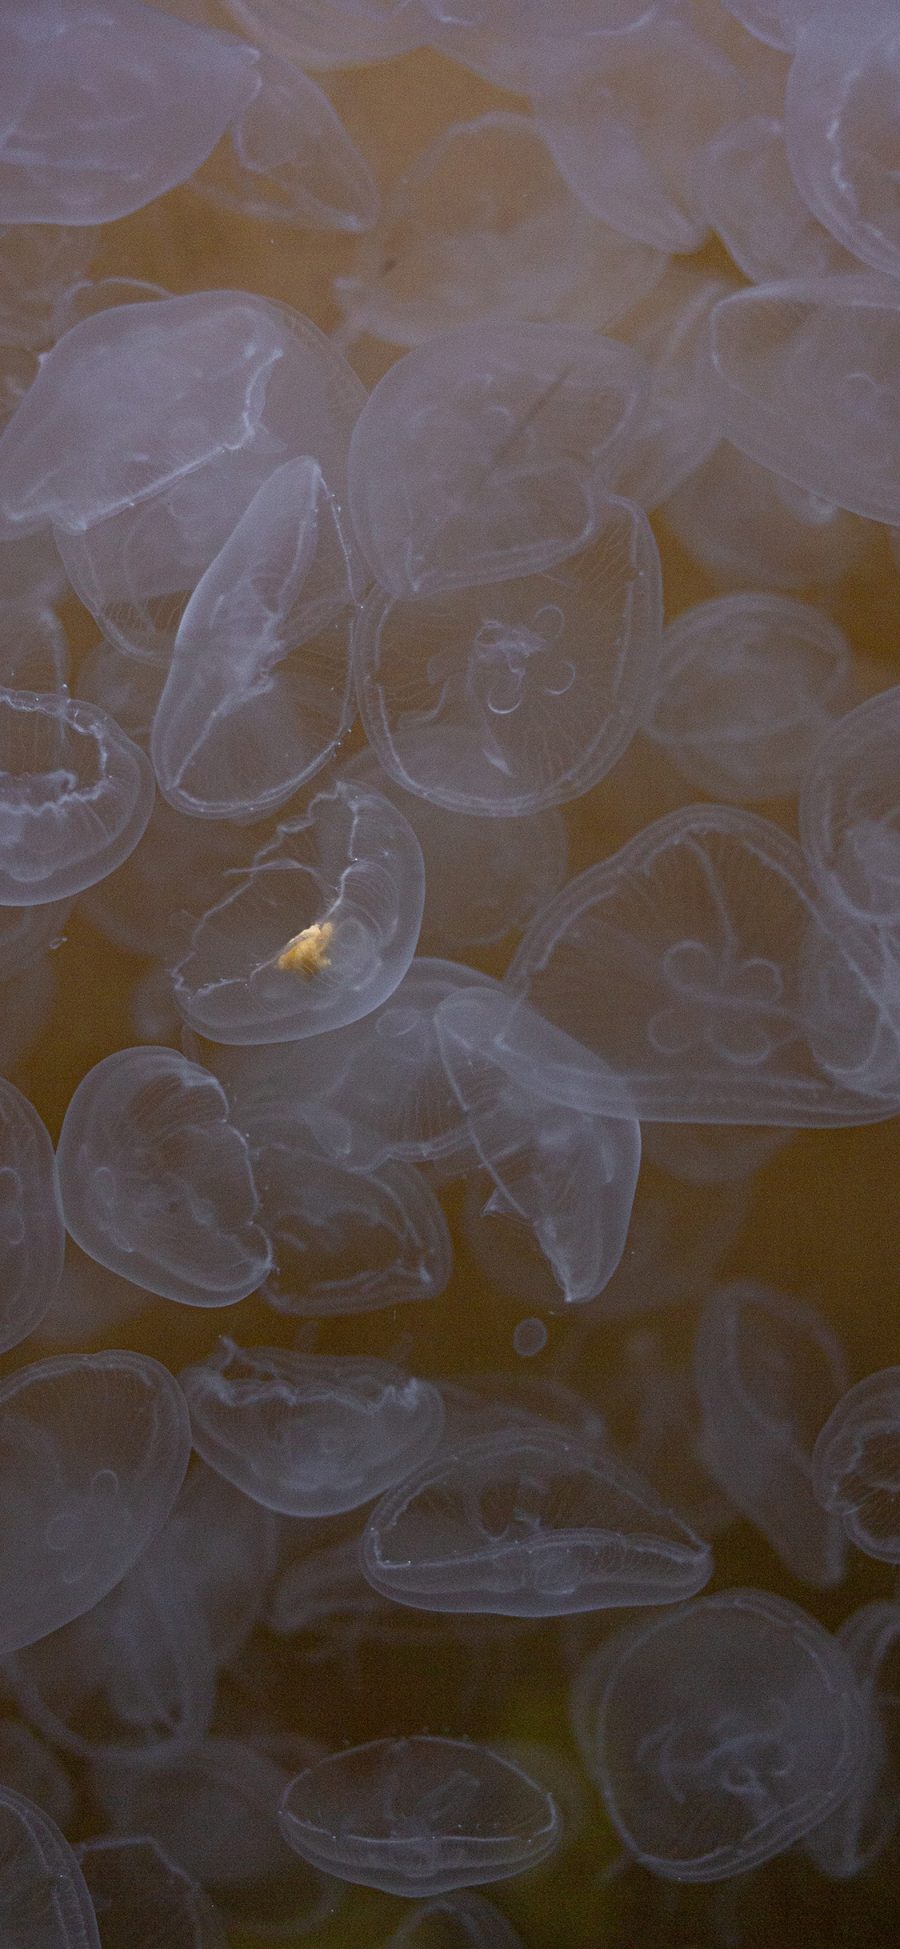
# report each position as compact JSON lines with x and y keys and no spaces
{"x":213,"y":1812}
{"x":850,"y":811}
{"x":779,"y":350}
{"x":728,"y":1729}
{"x":32,"y":1235}
{"x":44,"y":1900}
{"x":344,"y":1240}
{"x":529,"y":1524}
{"x":156,"y":1180}
{"x":768,"y":1369}
{"x":628,"y":123}
{"x":288,"y":158}
{"x":258,"y":691}
{"x":419,"y":1817}
{"x":135,"y":1886}
{"x":841,"y":128}
{"x":123,"y":103}
{"x":737,"y":1000}
{"x":748,"y":685}
{"x":532,"y":687}
{"x":75,"y":796}
{"x":488,"y":452}
{"x":309,"y":1434}
{"x":462,"y":1920}
{"x":856,"y":1464}
{"x":93,"y":1451}
{"x":350,"y":871}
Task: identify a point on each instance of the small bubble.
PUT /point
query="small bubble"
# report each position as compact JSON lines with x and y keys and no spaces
{"x":530,"y":1337}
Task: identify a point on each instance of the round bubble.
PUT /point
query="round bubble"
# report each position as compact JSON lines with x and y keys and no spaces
{"x":317,"y":933}
{"x":156,"y":1180}
{"x":75,"y":796}
{"x":525,"y":1525}
{"x":419,"y":1816}
{"x":309,"y":1434}
{"x":727,"y":1730}
{"x":93,"y":1451}
{"x":856,"y":1464}
{"x":520,"y":694}
{"x":488,"y":452}
{"x":32,"y":1235}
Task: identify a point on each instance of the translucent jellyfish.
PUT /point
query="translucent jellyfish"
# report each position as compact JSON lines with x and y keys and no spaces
{"x":30,"y":1768}
{"x":748,"y":686}
{"x":710,"y":1154}
{"x":375,"y":1090}
{"x":669,"y":327}
{"x":651,"y":1414}
{"x":224,"y":1547}
{"x":850,"y":811}
{"x":136,"y":568}
{"x":214,"y":1813}
{"x":529,"y":1525}
{"x":344,"y":1241}
{"x":39,"y":262}
{"x":841,"y":128}
{"x":566,"y":1173}
{"x":32,"y":1236}
{"x":156,"y":1180}
{"x":25,"y":932}
{"x":529,"y":689}
{"x":330,"y":33}
{"x":87,"y":295}
{"x":317,"y":933}
{"x":856,"y":1464}
{"x":766,"y":20}
{"x":114,"y":106}
{"x":768,"y":1369}
{"x":518,"y":45}
{"x":779,"y":350}
{"x":487,"y":452}
{"x":483,"y":876}
{"x":179,"y":864}
{"x":133,"y":1680}
{"x":75,"y":796}
{"x":853,"y":1836}
{"x":44,"y":1901}
{"x":628,"y":122}
{"x":752,"y":528}
{"x":460,"y":1921}
{"x":287,"y":157}
{"x":728,"y":1729}
{"x":93,"y":1451}
{"x":419,"y":1816}
{"x":139,"y":1894}
{"x":258,"y":693}
{"x":309,"y":1434}
{"x":748,"y":195}
{"x":734,"y":1002}
{"x":481,"y":225}
{"x":134,"y":401}
{"x":127,"y":688}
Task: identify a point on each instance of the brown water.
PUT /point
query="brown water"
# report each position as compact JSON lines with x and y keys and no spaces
{"x":822,"y":1221}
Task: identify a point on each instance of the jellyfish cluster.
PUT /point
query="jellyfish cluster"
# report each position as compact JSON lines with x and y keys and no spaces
{"x":449,"y":873}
